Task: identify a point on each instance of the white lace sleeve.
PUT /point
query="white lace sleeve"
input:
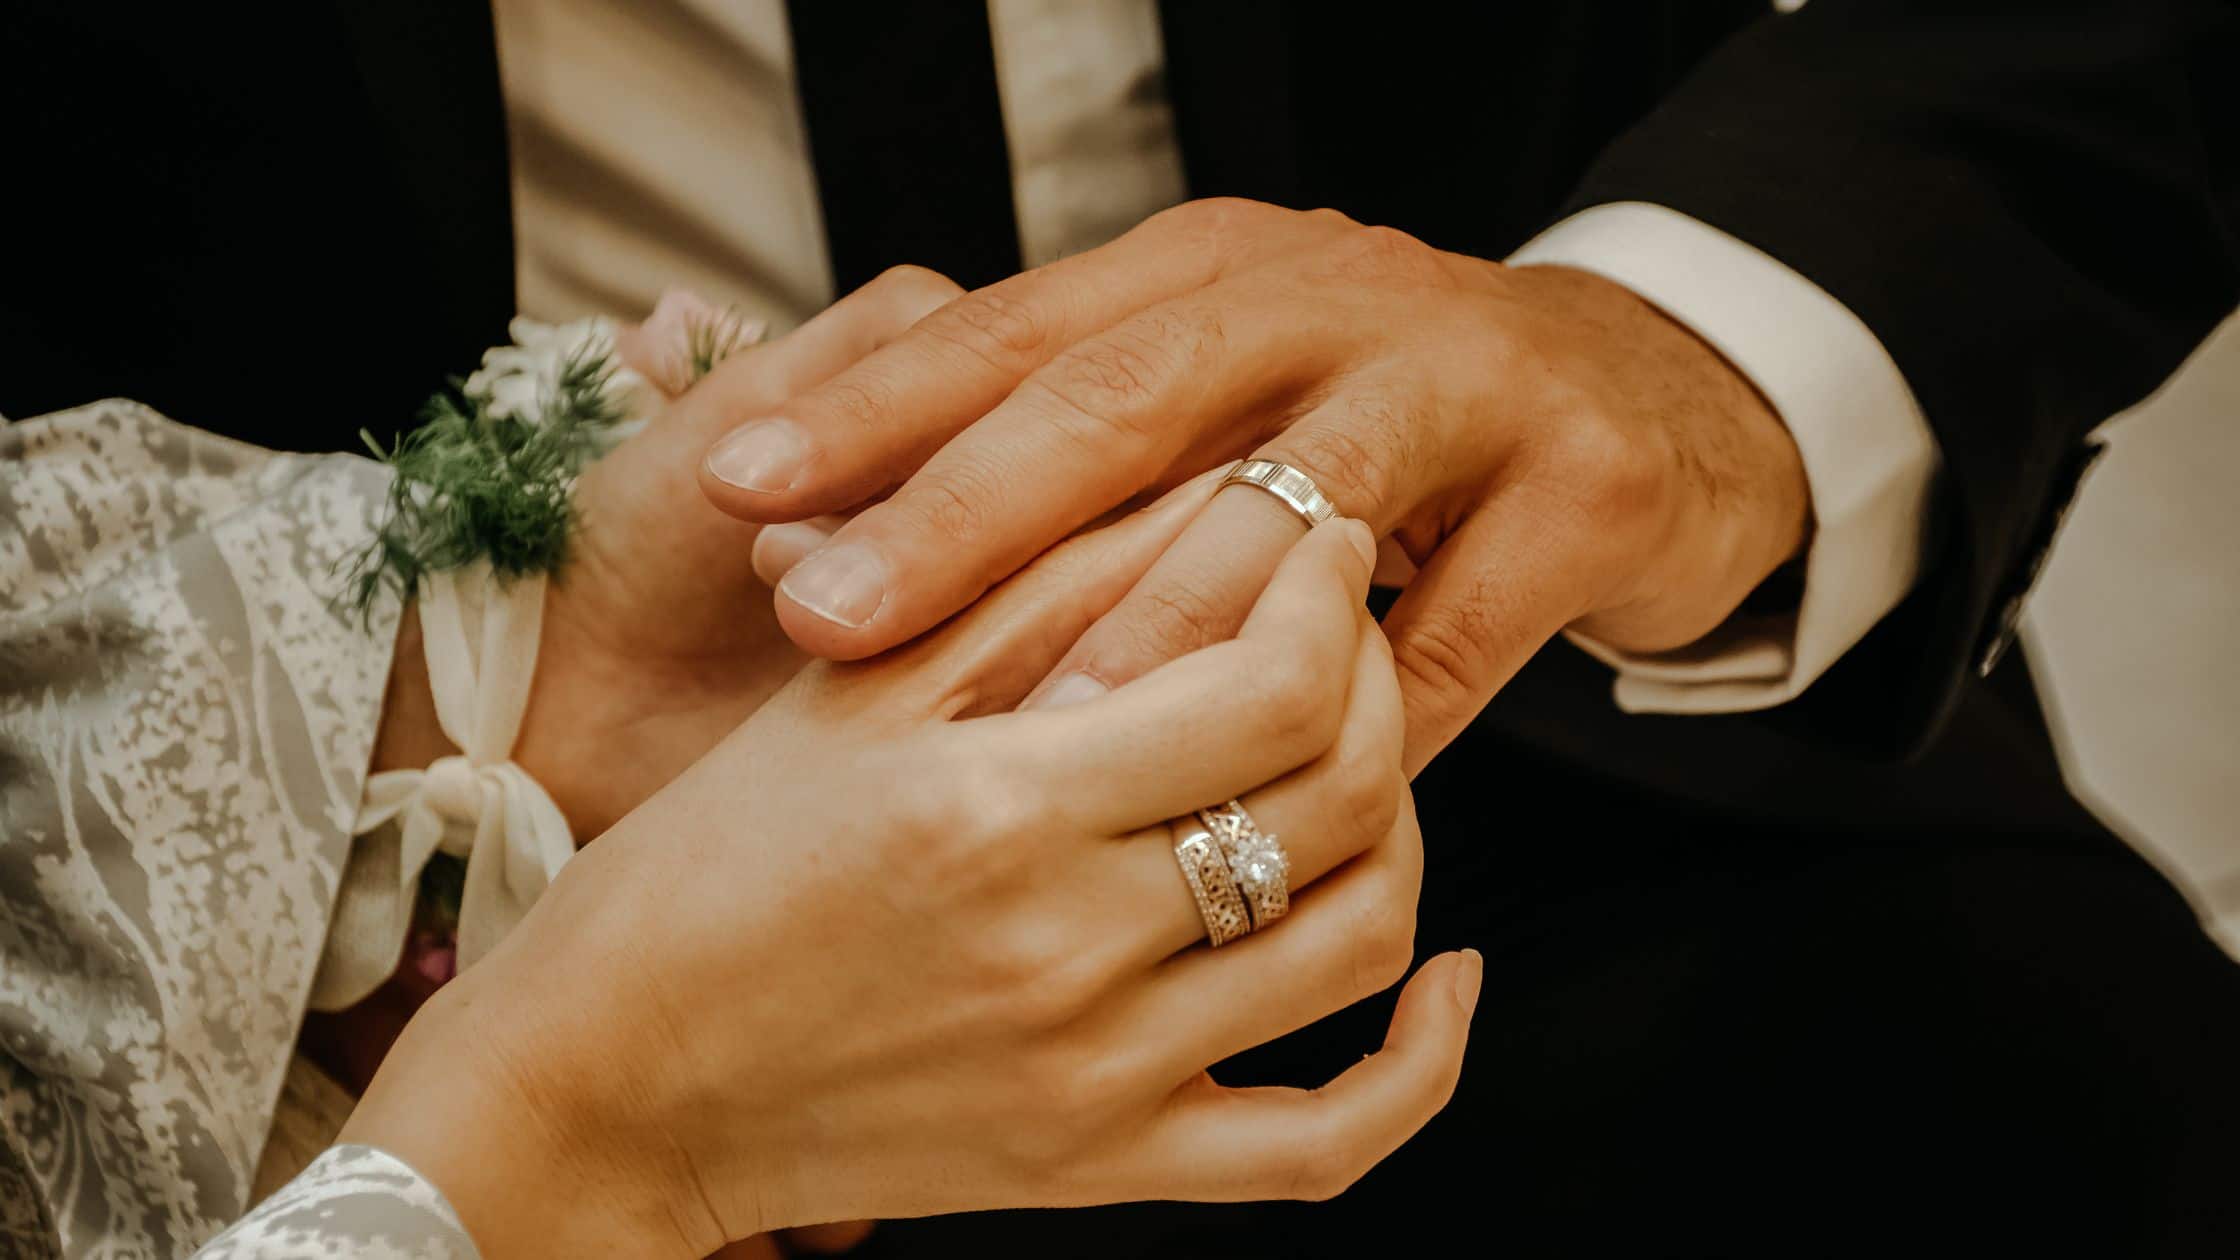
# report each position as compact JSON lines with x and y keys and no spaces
{"x":186,"y":717}
{"x":353,"y":1201}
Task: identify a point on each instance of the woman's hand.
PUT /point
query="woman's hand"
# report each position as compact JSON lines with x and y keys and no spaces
{"x":671,"y":1050}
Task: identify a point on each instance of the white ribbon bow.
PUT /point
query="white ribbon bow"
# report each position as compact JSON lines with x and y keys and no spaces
{"x":481,"y":642}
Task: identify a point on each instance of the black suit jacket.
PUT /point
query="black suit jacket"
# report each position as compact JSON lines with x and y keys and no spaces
{"x":229,"y":213}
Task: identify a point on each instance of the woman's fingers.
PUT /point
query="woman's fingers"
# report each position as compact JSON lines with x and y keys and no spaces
{"x":1348,"y":936}
{"x":827,"y":1240}
{"x":1327,"y":813}
{"x":987,"y":659}
{"x":1230,"y":1145}
{"x":1214,"y":724}
{"x":759,"y":1247}
{"x":1199,"y":592}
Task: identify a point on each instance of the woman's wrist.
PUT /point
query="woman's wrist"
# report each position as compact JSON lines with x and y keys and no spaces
{"x":488,"y":1103}
{"x":410,"y":737}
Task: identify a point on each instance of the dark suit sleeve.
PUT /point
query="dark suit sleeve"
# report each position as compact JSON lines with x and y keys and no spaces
{"x":2035,"y":207}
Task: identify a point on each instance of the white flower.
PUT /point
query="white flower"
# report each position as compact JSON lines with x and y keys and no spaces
{"x":521,"y":379}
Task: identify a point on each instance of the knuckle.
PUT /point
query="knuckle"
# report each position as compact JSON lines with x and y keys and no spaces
{"x":992,"y":325}
{"x":860,"y":398}
{"x":1110,"y":380}
{"x":1115,"y":384}
{"x":1444,"y":653}
{"x":917,"y":285}
{"x":1368,"y":786}
{"x":1298,"y":708}
{"x":1213,"y":214}
{"x":1356,"y":458}
{"x":1212,"y":229}
{"x":1387,"y":255}
{"x":1383,"y":942}
{"x":1042,"y":985}
{"x":1318,"y":1170}
{"x":1170,"y":620}
{"x":1607,"y":472}
{"x":1000,"y":808}
{"x":967,"y":831}
{"x":958,"y":505}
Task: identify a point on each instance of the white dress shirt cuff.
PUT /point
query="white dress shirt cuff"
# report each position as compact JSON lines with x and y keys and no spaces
{"x":1869,"y":456}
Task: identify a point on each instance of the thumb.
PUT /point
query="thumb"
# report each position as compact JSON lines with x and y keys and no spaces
{"x":647,"y":490}
{"x":1491,"y":595}
{"x":684,"y":337}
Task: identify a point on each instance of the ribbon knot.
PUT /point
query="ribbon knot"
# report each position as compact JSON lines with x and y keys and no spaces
{"x":451,"y":788}
{"x":481,"y":640}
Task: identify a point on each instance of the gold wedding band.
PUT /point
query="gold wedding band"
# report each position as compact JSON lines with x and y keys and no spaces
{"x":1293,"y":488}
{"x":1257,"y":862}
{"x":1206,"y":869}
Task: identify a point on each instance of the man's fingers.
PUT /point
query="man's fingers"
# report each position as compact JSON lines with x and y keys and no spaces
{"x":869,"y":427}
{"x":762,"y":377}
{"x":780,"y":547}
{"x":1359,"y":455}
{"x":645,"y":488}
{"x":1217,"y":723}
{"x":1097,"y":425}
{"x":1492,"y":594}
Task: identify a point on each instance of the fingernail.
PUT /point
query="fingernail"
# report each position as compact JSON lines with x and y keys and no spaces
{"x":1468,"y":978}
{"x":777,"y":548}
{"x":765,"y":457}
{"x":844,"y":585}
{"x":1364,"y":542}
{"x":1071,"y":689}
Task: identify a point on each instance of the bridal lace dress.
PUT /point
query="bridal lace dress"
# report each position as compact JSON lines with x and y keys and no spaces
{"x":186,"y":716}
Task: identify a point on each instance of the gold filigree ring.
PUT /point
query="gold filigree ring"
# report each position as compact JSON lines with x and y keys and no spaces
{"x":1206,"y":869}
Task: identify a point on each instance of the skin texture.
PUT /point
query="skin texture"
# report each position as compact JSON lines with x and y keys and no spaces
{"x":658,"y":637}
{"x":1548,"y":448}
{"x":669,"y":1052}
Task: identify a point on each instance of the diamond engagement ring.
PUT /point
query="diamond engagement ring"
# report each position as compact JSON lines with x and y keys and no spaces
{"x":1206,"y":869}
{"x":1296,"y":489}
{"x":1257,"y":861}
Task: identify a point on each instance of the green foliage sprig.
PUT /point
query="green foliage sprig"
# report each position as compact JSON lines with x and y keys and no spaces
{"x":710,"y":340}
{"x":472,"y":485}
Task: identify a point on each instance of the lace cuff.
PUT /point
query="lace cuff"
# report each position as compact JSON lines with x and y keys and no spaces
{"x":351,"y":1201}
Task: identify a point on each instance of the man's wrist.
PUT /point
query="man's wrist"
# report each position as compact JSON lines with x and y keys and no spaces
{"x":1867,"y":451}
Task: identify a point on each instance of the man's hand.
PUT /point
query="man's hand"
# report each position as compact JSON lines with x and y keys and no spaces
{"x":1548,"y":447}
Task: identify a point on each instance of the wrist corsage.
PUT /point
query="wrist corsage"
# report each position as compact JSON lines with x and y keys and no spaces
{"x":479,"y":516}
